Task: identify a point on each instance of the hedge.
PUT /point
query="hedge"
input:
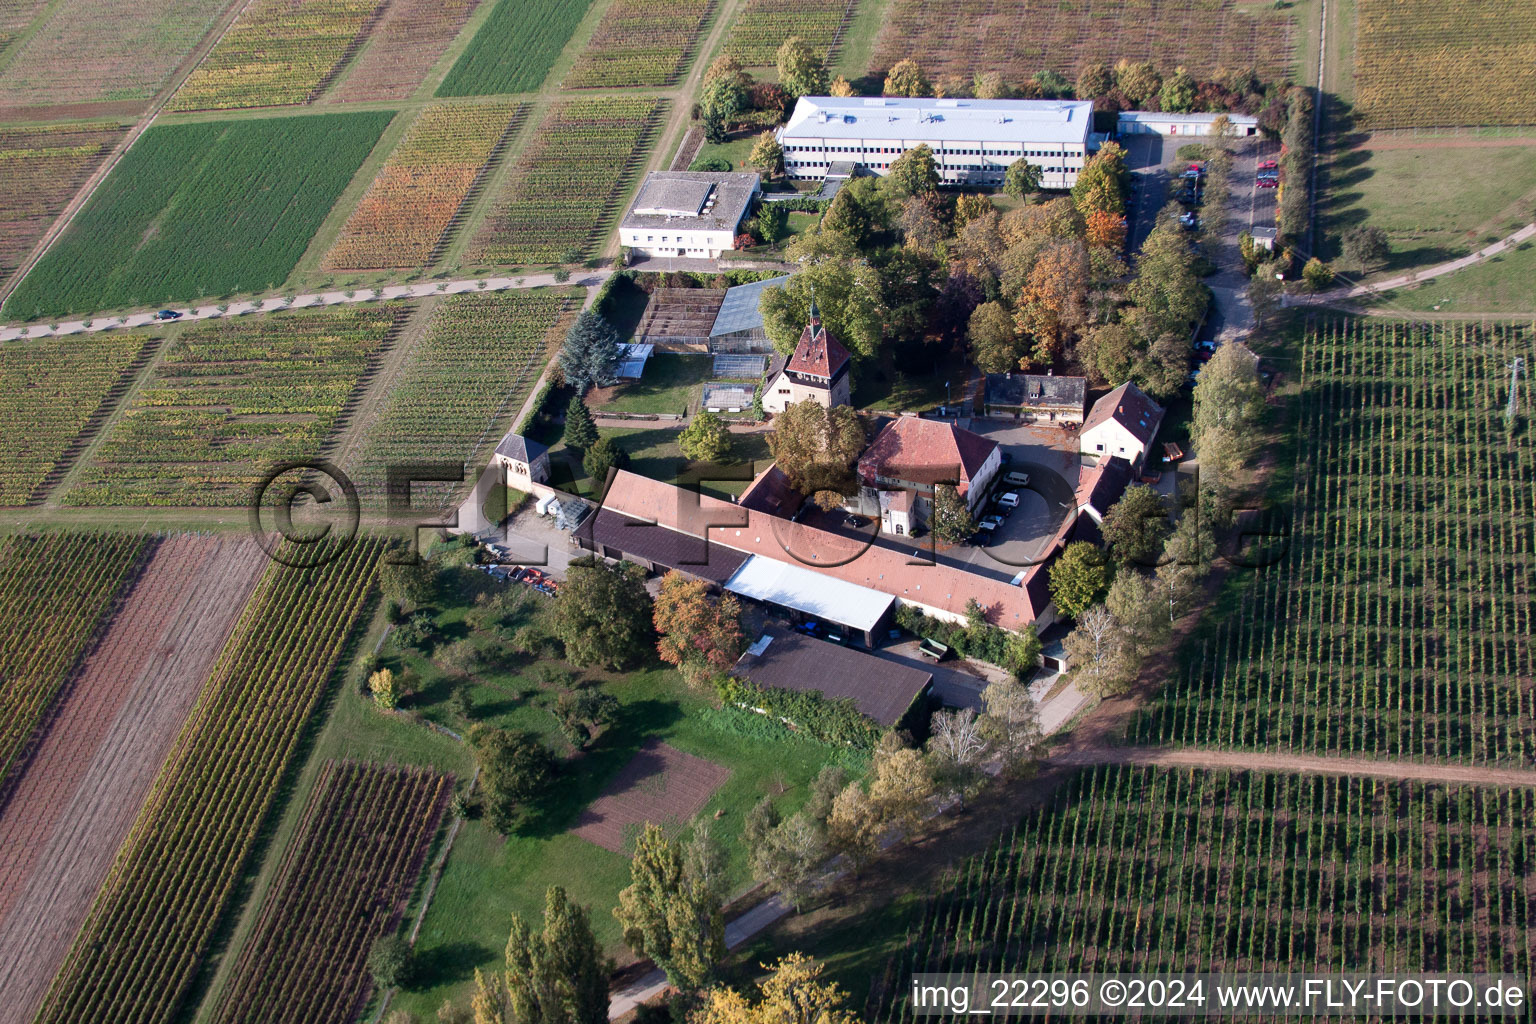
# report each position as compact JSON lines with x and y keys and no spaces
{"x":813,"y":713}
{"x":1015,"y":652}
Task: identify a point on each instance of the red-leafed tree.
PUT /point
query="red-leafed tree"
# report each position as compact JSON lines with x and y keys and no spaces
{"x":698,"y":635}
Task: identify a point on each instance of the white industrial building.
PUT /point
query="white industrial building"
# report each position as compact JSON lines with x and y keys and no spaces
{"x":1152,"y":122}
{"x":974,"y":141}
{"x":688,"y":213}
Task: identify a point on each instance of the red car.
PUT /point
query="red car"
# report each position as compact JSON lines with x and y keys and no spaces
{"x":1269,"y":165}
{"x":1267,"y":183}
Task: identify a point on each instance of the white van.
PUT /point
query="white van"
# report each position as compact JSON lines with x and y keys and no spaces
{"x":1018,"y":479}
{"x":1009,"y":500}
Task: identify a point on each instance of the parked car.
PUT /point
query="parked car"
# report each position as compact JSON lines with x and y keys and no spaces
{"x":1267,"y":183}
{"x":1188,"y":196}
{"x":1189,"y":221}
{"x":857,"y":522}
{"x":1010,"y":500}
{"x":1268,"y":176}
{"x":1269,"y":165}
{"x":1205,"y":345}
{"x":168,"y":314}
{"x":988,"y":524}
{"x":1017,"y":479}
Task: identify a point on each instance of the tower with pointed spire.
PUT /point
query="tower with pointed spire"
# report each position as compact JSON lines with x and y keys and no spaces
{"x":817,"y":370}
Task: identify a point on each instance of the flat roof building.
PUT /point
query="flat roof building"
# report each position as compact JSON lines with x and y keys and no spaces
{"x":973,"y":141}
{"x":1156,"y":122}
{"x":688,"y":213}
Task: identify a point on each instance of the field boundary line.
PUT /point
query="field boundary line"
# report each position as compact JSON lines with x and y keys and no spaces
{"x":1305,"y":764}
{"x":72,"y":209}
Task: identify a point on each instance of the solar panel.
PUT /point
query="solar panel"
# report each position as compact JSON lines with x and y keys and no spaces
{"x":738,"y":365}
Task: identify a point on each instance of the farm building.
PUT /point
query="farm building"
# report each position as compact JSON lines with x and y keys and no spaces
{"x":663,"y":526}
{"x":899,"y":469}
{"x":738,"y":325}
{"x":679,"y":319}
{"x":883,"y":691}
{"x":1101,"y":485}
{"x":1123,"y":422}
{"x":974,"y":141}
{"x":1035,"y":398}
{"x":524,"y":462}
{"x":688,"y":213}
{"x":817,"y":371}
{"x":1146,"y":122}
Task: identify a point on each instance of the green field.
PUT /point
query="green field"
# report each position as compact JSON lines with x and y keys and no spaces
{"x":229,"y":400}
{"x":671,"y":384}
{"x":1432,"y":206}
{"x":1503,"y":284}
{"x":654,"y":452}
{"x":200,"y":210}
{"x":515,"y":48}
{"x":488,"y":878}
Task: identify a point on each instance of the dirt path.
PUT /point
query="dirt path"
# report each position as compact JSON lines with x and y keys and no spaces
{"x":1248,"y":760}
{"x":80,"y":795}
{"x":1337,"y":295}
{"x":73,"y":207}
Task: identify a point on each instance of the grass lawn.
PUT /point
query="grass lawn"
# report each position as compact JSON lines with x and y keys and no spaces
{"x":736,"y":150}
{"x":912,"y":387}
{"x":1429,"y":201}
{"x":653,"y":452}
{"x":671,"y":384}
{"x":489,"y":878}
{"x":1502,"y":284}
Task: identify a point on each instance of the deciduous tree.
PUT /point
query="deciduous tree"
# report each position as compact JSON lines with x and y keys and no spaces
{"x":698,"y":635}
{"x":557,"y":976}
{"x":801,"y":70}
{"x":1021,"y":179}
{"x":1139,"y":81}
{"x":957,"y":750}
{"x":1097,"y":653}
{"x":1178,"y":92}
{"x":602,"y":614}
{"x":513,"y":768}
{"x":1365,"y":246}
{"x":951,"y":521}
{"x":842,"y":87}
{"x":669,"y":915}
{"x":1053,"y":305}
{"x":707,"y":438}
{"x":816,"y":447}
{"x":995,"y":344}
{"x":1136,"y":526}
{"x":1079,"y":578}
{"x":1010,"y":721}
{"x":1229,"y":399}
{"x":989,"y":85}
{"x":845,"y":288}
{"x":906,"y":78}
{"x":912,"y":173}
{"x":767,"y":156}
{"x":1094,"y":80}
{"x":793,"y":994}
{"x":901,"y":785}
{"x":1108,"y":353}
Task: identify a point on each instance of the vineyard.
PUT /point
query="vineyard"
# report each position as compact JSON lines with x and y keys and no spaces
{"x":54,"y":394}
{"x":136,"y":955}
{"x":763,"y":25}
{"x":1134,"y":869}
{"x":343,"y":883}
{"x":418,"y":197}
{"x":515,"y":48}
{"x":94,"y":51}
{"x":640,"y":42}
{"x":198,"y":210}
{"x":54,"y":594}
{"x":41,"y":169}
{"x":15,"y":16}
{"x":278,"y":52}
{"x":1431,"y":63}
{"x":230,"y":400}
{"x":570,"y":182}
{"x":1022,"y":37}
{"x":409,"y":39}
{"x":468,"y":378}
{"x":1397,"y":623}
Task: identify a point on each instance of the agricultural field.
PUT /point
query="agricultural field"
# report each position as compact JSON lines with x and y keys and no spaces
{"x":279,"y":52}
{"x":229,"y":400}
{"x":466,"y":381}
{"x":1137,"y":869}
{"x":1397,"y":620}
{"x":199,"y":210}
{"x":54,"y":394}
{"x":55,"y":592}
{"x":106,"y":52}
{"x":409,"y":39}
{"x":409,"y":211}
{"x":1499,"y":285}
{"x":762,"y":26}
{"x":15,"y":16}
{"x":139,"y":949}
{"x":570,"y":182}
{"x":74,"y":802}
{"x":1430,"y":63}
{"x":639,"y":43}
{"x":343,"y":883}
{"x":515,"y":48}
{"x":1023,"y":37}
{"x":41,"y":169}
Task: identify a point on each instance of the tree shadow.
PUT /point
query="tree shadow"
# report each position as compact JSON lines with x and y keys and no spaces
{"x":447,"y":964}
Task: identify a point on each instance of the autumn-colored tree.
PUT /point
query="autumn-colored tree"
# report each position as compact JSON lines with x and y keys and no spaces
{"x":698,"y":635}
{"x":727,"y":67}
{"x":793,"y":994}
{"x":994,"y":340}
{"x":1094,"y":80}
{"x":816,"y":447}
{"x":707,"y":438}
{"x":1139,"y":81}
{"x":906,"y":78}
{"x":951,"y":86}
{"x":1103,"y":228}
{"x":970,"y":206}
{"x":842,"y":87}
{"x":670,"y":914}
{"x":901,"y":785}
{"x":386,"y":692}
{"x":989,"y":85}
{"x":1101,"y":183}
{"x":767,"y":155}
{"x":854,"y":826}
{"x":1054,"y":304}
{"x":920,"y":224}
{"x":801,"y":70}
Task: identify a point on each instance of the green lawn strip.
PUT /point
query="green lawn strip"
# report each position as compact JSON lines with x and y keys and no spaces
{"x":515,"y":47}
{"x":201,"y":210}
{"x":1424,"y":199}
{"x":1501,"y":284}
{"x":672,"y":384}
{"x":917,"y":387}
{"x":735,"y":150}
{"x":654,"y":452}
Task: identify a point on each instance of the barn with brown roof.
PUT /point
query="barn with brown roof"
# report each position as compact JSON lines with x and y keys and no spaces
{"x":883,"y":691}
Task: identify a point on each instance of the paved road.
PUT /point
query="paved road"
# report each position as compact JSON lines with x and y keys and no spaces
{"x":587,"y":279}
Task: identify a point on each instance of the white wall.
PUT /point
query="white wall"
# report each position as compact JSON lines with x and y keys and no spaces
{"x":1114,"y":439}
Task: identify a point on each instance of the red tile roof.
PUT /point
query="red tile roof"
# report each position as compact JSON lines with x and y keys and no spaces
{"x":852,"y":560}
{"x":818,"y":354}
{"x":925,"y":452}
{"x":1129,"y":406}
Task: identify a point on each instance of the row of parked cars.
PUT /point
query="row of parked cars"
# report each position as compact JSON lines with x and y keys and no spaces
{"x":1268,"y":175}
{"x":537,"y":579}
{"x":1004,"y":501}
